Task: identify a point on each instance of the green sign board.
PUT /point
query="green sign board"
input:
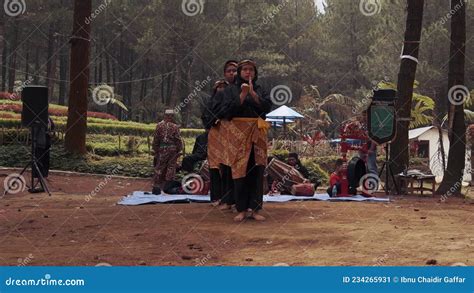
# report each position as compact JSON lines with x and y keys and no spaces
{"x":381,"y":123}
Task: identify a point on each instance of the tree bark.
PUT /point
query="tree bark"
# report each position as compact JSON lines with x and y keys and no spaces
{"x":75,"y":141}
{"x":27,"y":61}
{"x":37,"y":67}
{"x":50,"y":57}
{"x":63,"y":71}
{"x":452,"y":179}
{"x":3,"y":51}
{"x":399,"y":150}
{"x":12,"y":57}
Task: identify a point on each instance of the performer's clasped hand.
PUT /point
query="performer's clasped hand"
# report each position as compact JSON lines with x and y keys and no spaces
{"x":247,"y":88}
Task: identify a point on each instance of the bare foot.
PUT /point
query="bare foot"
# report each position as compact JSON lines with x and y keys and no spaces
{"x":240,"y":217}
{"x":257,"y":217}
{"x":225,"y":207}
{"x":215,"y":203}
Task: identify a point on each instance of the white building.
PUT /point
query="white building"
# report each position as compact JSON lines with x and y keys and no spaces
{"x":427,"y":140}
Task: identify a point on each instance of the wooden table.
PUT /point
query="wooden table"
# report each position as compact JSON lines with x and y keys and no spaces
{"x":407,"y":183}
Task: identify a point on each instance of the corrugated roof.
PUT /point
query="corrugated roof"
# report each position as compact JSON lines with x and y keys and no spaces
{"x":415,"y":133}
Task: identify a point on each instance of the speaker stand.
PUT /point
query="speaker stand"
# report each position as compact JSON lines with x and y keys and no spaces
{"x":389,"y":172}
{"x":34,"y":168}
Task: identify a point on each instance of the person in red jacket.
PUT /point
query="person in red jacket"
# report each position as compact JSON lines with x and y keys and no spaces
{"x":335,"y":178}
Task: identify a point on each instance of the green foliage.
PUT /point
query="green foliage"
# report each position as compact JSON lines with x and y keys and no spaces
{"x":281,"y":155}
{"x":423,"y":106}
{"x":98,"y":126}
{"x":316,"y":173}
{"x":137,"y":166}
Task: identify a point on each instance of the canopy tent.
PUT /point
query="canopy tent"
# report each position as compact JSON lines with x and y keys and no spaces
{"x":278,"y":123}
{"x":279,"y":120}
{"x":284,"y":112}
{"x":284,"y":115}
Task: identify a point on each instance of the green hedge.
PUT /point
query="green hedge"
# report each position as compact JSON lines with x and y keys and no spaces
{"x":316,"y":173}
{"x":137,"y":166}
{"x":116,"y":128}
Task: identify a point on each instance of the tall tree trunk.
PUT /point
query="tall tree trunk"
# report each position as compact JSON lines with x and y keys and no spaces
{"x":12,"y":57}
{"x":3,"y":51}
{"x":399,"y":152}
{"x":27,"y":61}
{"x":63,"y":70}
{"x":96,"y":65}
{"x":438,"y":123}
{"x":37,"y":67}
{"x":75,"y":140}
{"x":50,"y":58}
{"x":108,"y":74}
{"x":452,"y":178}
{"x":100,"y":58}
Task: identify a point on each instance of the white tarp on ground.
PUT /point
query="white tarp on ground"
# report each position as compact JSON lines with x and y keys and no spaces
{"x":140,"y":197}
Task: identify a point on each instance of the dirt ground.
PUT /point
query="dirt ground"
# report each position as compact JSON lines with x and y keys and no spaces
{"x":75,"y":227}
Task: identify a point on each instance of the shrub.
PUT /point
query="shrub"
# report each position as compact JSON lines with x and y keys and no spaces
{"x":139,"y":166}
{"x":315,"y":171}
{"x":9,"y":115}
{"x":281,"y":155}
{"x":117,"y":128}
{"x":53,"y":110}
{"x":9,"y":96}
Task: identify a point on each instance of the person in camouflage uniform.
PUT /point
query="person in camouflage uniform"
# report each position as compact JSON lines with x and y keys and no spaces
{"x":167,"y":146}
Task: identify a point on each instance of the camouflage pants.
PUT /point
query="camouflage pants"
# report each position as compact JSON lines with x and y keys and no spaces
{"x":165,"y":166}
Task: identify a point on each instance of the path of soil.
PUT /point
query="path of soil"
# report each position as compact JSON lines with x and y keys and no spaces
{"x":74,"y":227}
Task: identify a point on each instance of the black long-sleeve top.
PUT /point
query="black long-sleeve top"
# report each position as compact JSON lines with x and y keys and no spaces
{"x":227,"y":103}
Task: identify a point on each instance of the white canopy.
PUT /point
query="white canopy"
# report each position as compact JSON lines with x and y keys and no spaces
{"x":284,"y":112}
{"x":275,"y":120}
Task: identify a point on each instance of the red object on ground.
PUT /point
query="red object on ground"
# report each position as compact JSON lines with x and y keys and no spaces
{"x":351,"y":130}
{"x":344,"y":183}
{"x":304,"y":189}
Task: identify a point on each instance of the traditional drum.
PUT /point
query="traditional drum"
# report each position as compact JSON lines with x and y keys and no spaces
{"x":285,"y":174}
{"x":305,"y":189}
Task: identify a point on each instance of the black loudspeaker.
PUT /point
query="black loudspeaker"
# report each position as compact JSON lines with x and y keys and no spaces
{"x":35,"y":106}
{"x":385,"y":95}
